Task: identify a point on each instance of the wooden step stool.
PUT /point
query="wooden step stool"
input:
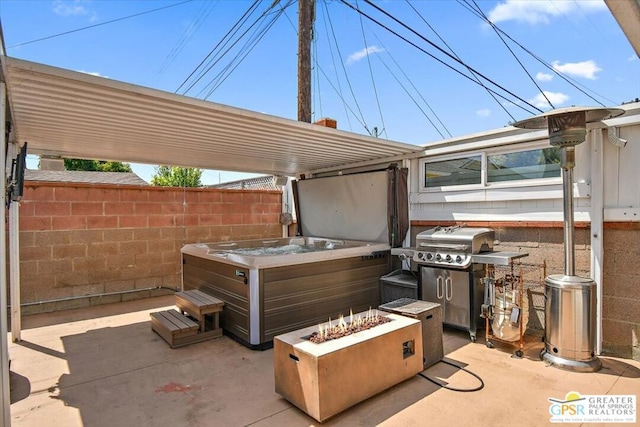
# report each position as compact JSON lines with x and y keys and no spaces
{"x":179,"y":328}
{"x":204,"y":308}
{"x":174,"y":327}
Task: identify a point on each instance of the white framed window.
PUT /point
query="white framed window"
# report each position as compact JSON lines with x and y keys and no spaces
{"x":538,"y":163}
{"x":527,"y":165}
{"x":459,"y":171}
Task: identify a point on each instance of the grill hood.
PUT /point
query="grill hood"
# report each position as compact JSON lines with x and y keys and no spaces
{"x":469,"y":240}
{"x":456,"y":247}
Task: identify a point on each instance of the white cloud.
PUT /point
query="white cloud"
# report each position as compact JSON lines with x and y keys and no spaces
{"x":357,"y":56}
{"x":585,"y":69}
{"x":544,"y":77}
{"x":93,"y":73}
{"x":485,"y":112}
{"x":556,"y":98}
{"x":540,"y":12}
{"x":73,"y":8}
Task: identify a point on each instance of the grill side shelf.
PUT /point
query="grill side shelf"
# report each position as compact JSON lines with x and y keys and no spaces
{"x":497,"y":258}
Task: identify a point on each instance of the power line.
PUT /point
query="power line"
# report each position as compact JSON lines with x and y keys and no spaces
{"x":257,"y":35}
{"x":335,"y":69}
{"x":98,"y":25}
{"x":344,"y":70}
{"x":373,"y":81}
{"x":414,"y":88}
{"x":205,"y":10}
{"x":445,"y":52}
{"x":442,"y":62}
{"x":457,"y":56}
{"x":344,"y":102}
{"x":315,"y":77}
{"x":567,"y":79}
{"x":512,"y":53}
{"x":233,"y":29}
{"x":338,"y":90}
{"x":412,"y":98}
{"x":248,"y":46}
{"x":314,"y":57}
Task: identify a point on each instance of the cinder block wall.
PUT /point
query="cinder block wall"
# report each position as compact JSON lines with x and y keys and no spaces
{"x":621,"y":289}
{"x":544,"y":242}
{"x":86,"y":240}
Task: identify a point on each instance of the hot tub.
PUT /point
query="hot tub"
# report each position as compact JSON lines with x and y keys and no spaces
{"x":275,"y":286}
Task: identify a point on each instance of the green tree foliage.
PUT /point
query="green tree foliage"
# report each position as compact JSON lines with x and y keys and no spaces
{"x":95,"y":165}
{"x":174,"y":176}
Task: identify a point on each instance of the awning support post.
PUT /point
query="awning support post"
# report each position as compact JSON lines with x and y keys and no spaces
{"x":14,"y":260}
{"x":5,"y":392}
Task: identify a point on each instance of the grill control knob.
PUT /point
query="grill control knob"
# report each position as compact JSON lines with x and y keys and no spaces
{"x":429,"y":256}
{"x":420,"y":255}
{"x":448,"y":258}
{"x":459,"y":259}
{"x":438,"y":257}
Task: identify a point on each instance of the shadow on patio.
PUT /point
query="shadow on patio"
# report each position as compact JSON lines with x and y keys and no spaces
{"x":103,"y":366}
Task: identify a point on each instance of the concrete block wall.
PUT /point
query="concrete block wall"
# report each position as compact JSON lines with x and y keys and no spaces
{"x":85,"y":239}
{"x":621,"y":289}
{"x":544,"y":242}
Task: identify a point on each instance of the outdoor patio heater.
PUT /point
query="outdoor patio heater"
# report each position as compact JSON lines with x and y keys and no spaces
{"x":570,"y":300}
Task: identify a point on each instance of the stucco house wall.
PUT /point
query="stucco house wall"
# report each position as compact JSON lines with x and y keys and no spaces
{"x":528,"y":215}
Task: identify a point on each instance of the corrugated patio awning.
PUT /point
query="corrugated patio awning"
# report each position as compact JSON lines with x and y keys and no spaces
{"x":627,"y":14}
{"x":72,"y":114}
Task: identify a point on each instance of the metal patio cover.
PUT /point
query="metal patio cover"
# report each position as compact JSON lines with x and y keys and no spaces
{"x":72,"y":114}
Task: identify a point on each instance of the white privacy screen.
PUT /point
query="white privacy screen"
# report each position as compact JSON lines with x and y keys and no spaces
{"x":352,"y":207}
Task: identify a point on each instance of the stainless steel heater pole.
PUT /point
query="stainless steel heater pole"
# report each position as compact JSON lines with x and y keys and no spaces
{"x":570,"y":301}
{"x":568,"y":163}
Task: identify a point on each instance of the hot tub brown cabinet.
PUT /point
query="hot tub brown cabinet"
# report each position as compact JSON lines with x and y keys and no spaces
{"x":264,"y":298}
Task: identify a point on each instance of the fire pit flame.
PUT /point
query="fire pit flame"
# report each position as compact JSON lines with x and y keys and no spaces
{"x":343,"y":328}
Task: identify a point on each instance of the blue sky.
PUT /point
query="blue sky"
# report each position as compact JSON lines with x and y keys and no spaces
{"x":365,"y":77}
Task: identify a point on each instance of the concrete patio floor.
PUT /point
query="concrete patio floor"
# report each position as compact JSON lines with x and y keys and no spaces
{"x":103,"y":366}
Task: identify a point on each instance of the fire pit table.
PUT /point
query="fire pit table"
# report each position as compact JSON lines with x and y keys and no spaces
{"x":327,"y":378}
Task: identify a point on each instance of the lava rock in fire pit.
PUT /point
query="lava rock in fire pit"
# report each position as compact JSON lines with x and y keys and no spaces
{"x":341,"y":329}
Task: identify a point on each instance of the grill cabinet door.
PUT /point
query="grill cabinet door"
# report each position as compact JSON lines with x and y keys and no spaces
{"x":458,"y":298}
{"x":449,"y":288}
{"x":432,"y":282}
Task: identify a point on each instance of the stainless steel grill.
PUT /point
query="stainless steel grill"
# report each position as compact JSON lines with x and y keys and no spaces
{"x":448,"y":275}
{"x":452,"y":247}
{"x":451,"y":263}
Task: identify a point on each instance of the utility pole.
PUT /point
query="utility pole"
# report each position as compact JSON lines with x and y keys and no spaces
{"x":306,"y":16}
